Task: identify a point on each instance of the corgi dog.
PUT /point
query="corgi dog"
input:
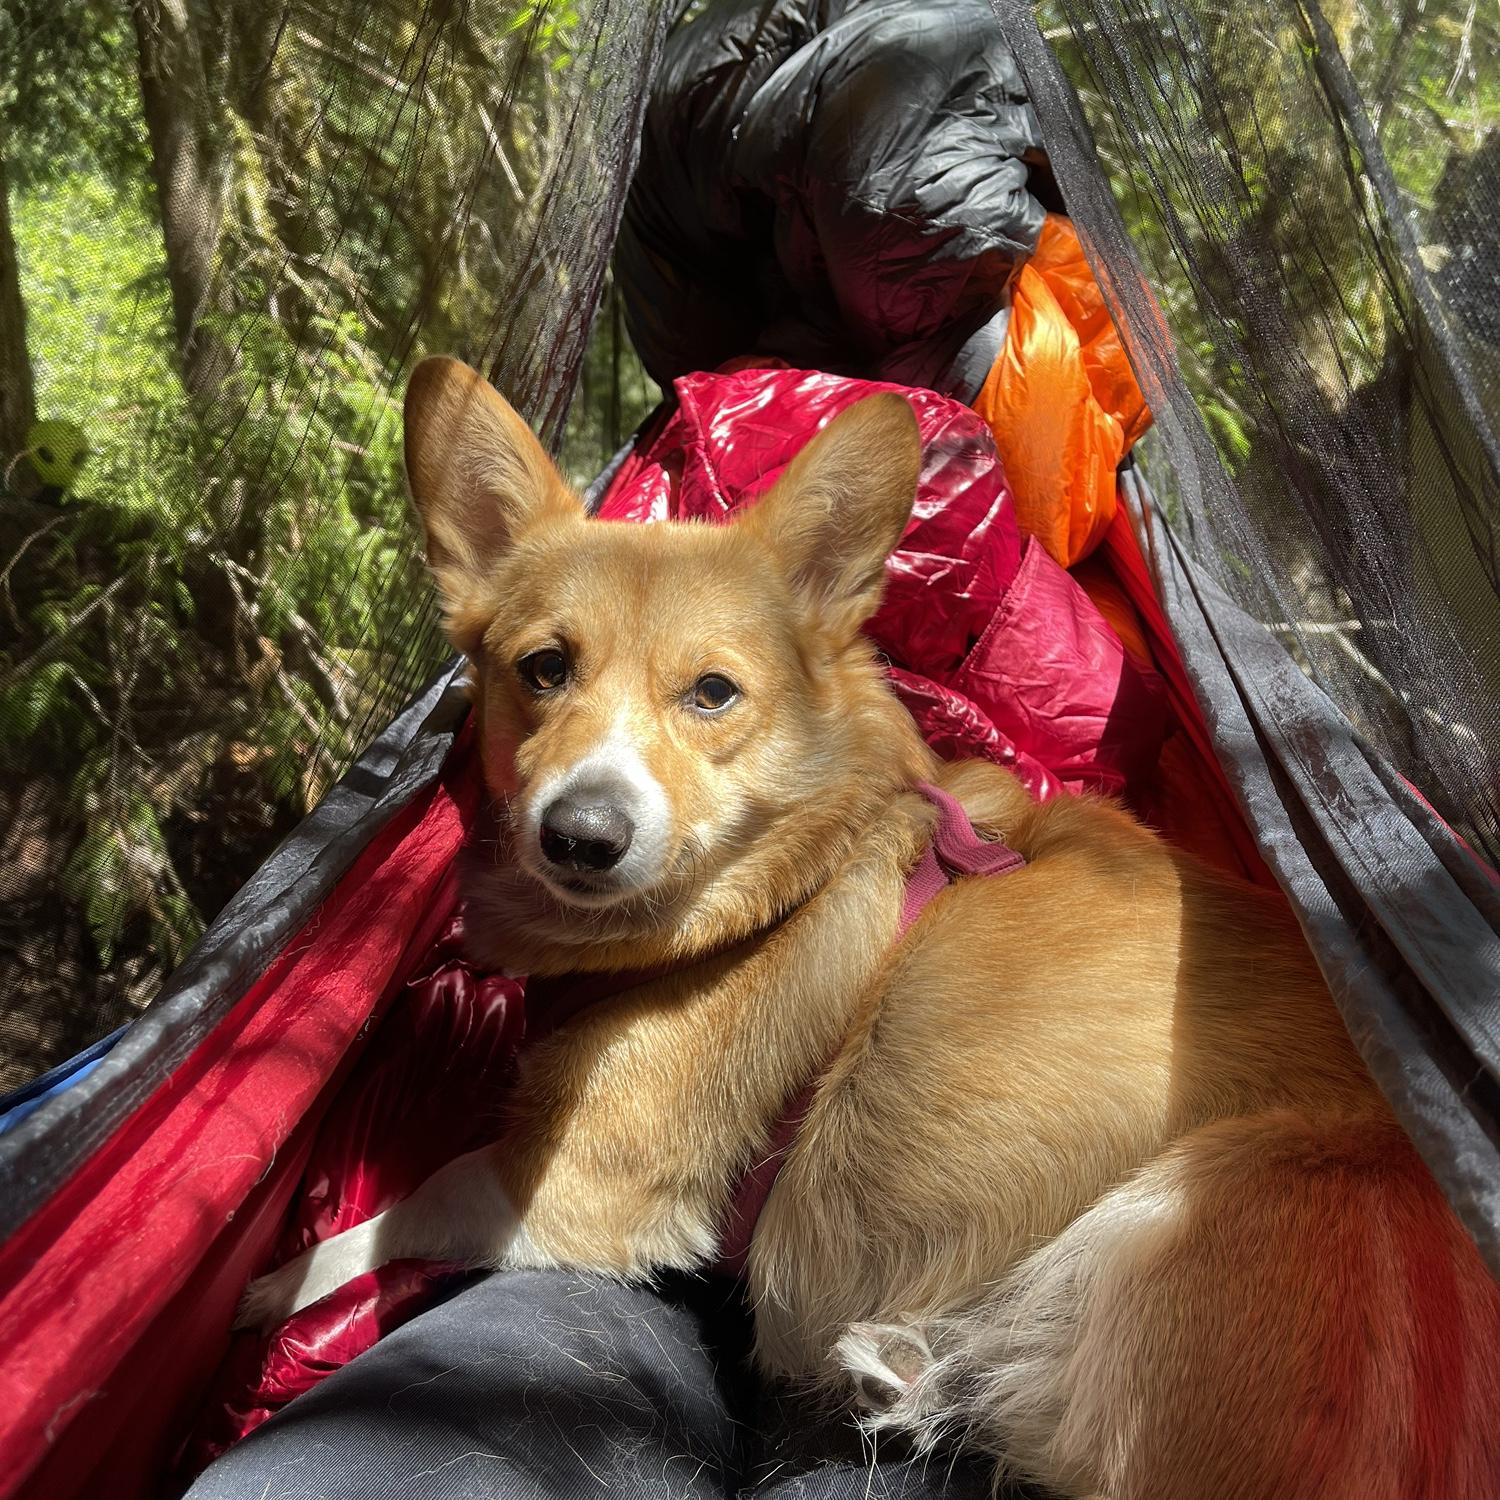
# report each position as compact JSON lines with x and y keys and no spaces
{"x":1088,"y":1173}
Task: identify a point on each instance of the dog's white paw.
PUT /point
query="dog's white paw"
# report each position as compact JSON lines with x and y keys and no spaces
{"x":884,"y":1361}
{"x":272,"y":1299}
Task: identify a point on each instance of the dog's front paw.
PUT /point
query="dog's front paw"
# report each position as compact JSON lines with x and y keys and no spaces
{"x":270,"y":1300}
{"x":311,"y":1277}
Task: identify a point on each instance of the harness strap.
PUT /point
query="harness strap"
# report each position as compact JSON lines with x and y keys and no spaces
{"x":956,"y":850}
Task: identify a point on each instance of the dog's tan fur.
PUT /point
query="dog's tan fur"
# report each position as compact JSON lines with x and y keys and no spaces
{"x":1094,"y":1180}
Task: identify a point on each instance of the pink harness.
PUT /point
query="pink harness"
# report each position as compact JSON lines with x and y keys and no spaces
{"x":956,"y":850}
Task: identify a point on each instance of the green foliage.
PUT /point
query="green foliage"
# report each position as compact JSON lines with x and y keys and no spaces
{"x":33,"y":703}
{"x":1228,"y":429}
{"x":554,"y":26}
{"x":204,"y":630}
{"x":121,"y":871}
{"x":1255,"y":181}
{"x":99,"y":326}
{"x":69,"y":98}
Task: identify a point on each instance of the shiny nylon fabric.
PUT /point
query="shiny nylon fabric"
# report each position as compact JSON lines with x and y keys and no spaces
{"x":429,"y":1085}
{"x":732,"y":435}
{"x":1061,"y":399}
{"x":995,"y":649}
{"x":116,"y":1292}
{"x":432,"y":1082}
{"x":847,"y":184}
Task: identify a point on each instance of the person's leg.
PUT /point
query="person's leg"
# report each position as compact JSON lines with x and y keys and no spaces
{"x":526,"y":1386}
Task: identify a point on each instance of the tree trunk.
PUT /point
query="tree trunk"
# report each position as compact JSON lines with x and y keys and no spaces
{"x":257,"y":29}
{"x":17,"y":398}
{"x":280,"y":110}
{"x":174,"y":97}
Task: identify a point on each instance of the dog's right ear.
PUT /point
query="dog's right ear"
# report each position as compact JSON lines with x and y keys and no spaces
{"x":479,"y":478}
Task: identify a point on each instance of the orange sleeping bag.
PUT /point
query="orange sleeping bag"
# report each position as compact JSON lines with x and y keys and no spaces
{"x":1062,"y":400}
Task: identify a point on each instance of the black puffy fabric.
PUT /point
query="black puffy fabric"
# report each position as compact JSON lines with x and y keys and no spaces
{"x":847,"y":184}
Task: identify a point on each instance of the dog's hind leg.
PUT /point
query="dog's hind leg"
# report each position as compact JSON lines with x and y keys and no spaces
{"x":1275,"y":1310}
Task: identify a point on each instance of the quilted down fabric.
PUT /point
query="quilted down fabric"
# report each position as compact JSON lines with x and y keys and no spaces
{"x":1062,"y":400}
{"x":992,"y":646}
{"x":850,"y":185}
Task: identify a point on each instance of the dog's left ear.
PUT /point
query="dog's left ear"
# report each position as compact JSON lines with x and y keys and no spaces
{"x":840,"y":508}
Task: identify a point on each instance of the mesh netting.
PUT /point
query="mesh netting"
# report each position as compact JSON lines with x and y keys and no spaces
{"x":227,"y":228}
{"x":1296,"y":219}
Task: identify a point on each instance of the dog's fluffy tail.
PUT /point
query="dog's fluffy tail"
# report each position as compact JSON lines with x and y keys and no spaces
{"x":1278,"y":1309}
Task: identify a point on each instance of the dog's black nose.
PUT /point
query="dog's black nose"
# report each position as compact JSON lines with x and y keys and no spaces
{"x":581,"y":834}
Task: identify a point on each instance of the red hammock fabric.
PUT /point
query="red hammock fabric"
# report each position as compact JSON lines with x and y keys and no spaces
{"x":115,"y":1298}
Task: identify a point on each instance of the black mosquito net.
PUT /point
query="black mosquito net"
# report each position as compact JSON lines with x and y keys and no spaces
{"x":1295,"y":223}
{"x":226,"y":229}
{"x":227,"y":226}
{"x":1298,"y":213}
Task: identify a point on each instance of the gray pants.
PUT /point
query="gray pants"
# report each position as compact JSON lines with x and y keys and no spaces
{"x":543,"y":1385}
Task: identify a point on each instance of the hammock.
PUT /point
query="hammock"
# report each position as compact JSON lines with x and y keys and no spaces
{"x":1280,"y":653}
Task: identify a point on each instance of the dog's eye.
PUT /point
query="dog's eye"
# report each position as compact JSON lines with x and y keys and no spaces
{"x":712,"y":692}
{"x":543,"y":670}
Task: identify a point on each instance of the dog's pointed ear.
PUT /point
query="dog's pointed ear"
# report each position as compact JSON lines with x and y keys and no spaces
{"x":840,"y":508}
{"x":478,"y":477}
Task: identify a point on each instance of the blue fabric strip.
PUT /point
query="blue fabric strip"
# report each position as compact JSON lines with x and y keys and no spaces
{"x":15,"y":1106}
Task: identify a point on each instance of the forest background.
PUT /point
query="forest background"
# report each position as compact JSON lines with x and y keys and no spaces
{"x":226,"y":229}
